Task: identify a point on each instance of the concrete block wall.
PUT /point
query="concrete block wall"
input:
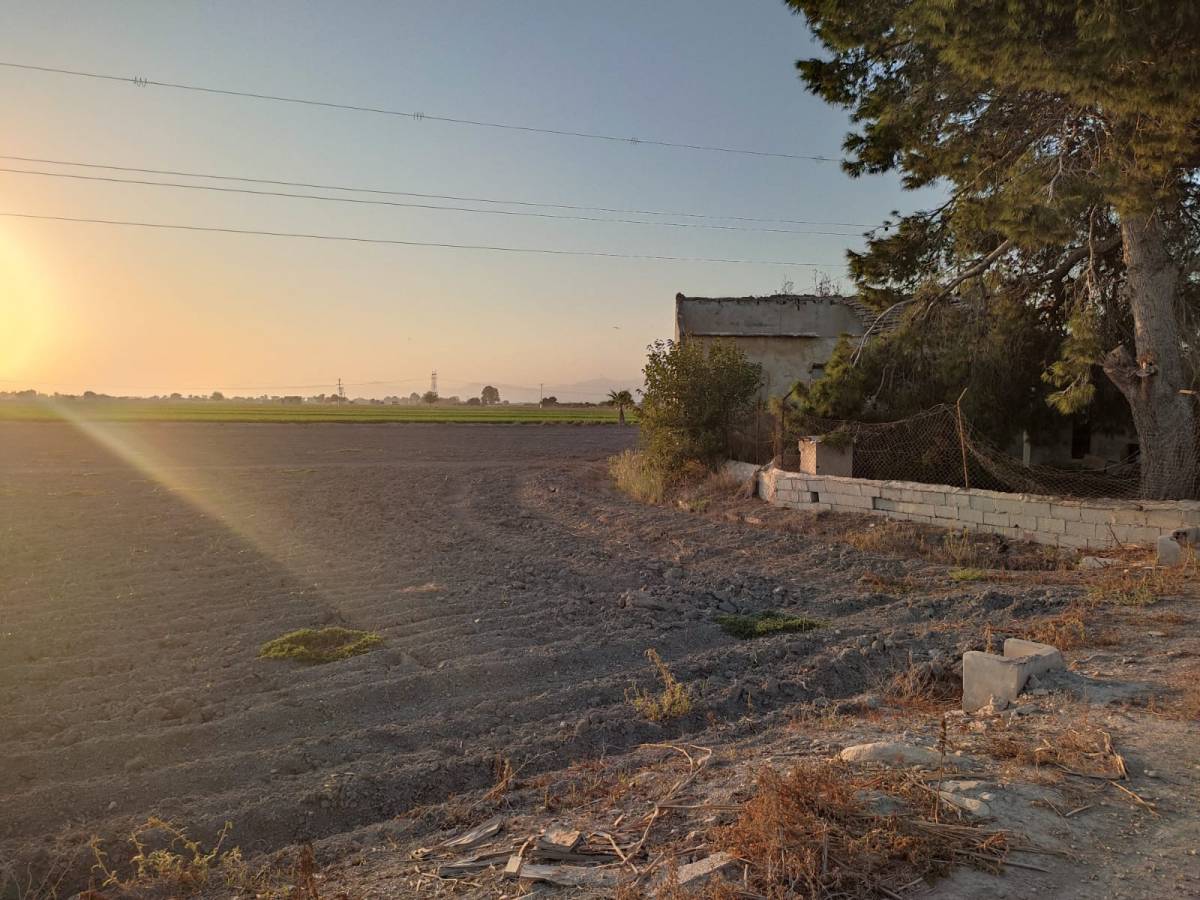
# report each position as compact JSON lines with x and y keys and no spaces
{"x":1076,"y":524}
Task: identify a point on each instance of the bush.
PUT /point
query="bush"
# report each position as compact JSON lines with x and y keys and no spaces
{"x":695,"y":393}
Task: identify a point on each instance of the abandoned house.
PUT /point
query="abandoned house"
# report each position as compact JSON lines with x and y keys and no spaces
{"x":791,"y":336}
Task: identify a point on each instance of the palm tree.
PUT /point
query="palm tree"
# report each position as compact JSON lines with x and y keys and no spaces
{"x":620,"y":399}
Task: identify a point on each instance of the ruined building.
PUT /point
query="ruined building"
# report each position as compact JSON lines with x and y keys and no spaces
{"x":790,"y":335}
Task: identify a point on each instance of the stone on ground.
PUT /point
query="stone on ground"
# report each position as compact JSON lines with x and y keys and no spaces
{"x":891,"y":753}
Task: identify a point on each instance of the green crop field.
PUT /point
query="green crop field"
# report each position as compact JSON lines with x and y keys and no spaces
{"x":233,"y":411}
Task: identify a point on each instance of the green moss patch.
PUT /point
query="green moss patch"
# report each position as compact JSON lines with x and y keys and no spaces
{"x":320,"y":645}
{"x":765,"y":623}
{"x":968,"y":575}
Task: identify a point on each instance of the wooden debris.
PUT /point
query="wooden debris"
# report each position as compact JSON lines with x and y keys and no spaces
{"x":476,"y":835}
{"x":561,"y":876}
{"x":468,"y":864}
{"x":558,"y":843}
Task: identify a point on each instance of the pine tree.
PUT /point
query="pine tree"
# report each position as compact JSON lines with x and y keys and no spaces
{"x":1068,"y":135}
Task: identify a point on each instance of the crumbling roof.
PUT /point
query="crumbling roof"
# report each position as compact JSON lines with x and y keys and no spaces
{"x":864,"y":314}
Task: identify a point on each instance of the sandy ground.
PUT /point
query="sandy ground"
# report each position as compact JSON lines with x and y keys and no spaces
{"x":141,"y":567}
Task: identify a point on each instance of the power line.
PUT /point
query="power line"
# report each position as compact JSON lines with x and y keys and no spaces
{"x":396,"y":203}
{"x":425,"y":196}
{"x":417,"y":116}
{"x":402,"y":243}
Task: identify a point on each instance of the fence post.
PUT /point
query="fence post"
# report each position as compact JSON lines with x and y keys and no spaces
{"x":962,"y":438}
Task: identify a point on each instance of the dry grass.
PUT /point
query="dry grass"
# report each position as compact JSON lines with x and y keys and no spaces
{"x":1078,"y":747}
{"x":1070,"y":630}
{"x":964,"y":550}
{"x":635,"y":477}
{"x":673,"y":701}
{"x":165,"y":859}
{"x":1136,"y":586}
{"x":922,"y":686}
{"x":889,"y":584}
{"x":810,"y":833}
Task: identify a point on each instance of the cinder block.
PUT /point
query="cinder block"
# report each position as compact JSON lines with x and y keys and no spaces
{"x":1163,"y":518}
{"x":1081,"y":529}
{"x":884,"y":504}
{"x":987,"y":676}
{"x":1169,"y":551}
{"x":968,"y":516}
{"x":1097,"y":515}
{"x":1073,"y":541}
{"x":1065,"y":512}
{"x":1051,"y":525}
{"x":983,"y":504}
{"x":996,"y":518}
{"x":1035,"y":508}
{"x":1039,"y":657}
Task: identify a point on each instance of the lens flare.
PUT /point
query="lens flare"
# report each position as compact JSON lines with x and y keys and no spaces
{"x":26,"y":325}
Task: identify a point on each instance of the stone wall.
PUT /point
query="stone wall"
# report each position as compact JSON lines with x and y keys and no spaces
{"x":1078,"y":524}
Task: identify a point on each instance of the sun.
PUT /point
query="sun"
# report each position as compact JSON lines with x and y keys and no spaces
{"x":26,"y":315}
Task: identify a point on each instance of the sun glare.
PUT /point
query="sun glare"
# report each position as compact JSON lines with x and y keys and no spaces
{"x":25,"y":307}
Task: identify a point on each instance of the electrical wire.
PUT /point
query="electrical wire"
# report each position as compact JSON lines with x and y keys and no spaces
{"x":403,"y":243}
{"x":407,"y":205}
{"x":425,"y":196}
{"x":417,"y":116}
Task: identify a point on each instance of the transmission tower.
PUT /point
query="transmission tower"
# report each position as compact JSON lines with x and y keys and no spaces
{"x":341,"y":390}
{"x":433,"y":382}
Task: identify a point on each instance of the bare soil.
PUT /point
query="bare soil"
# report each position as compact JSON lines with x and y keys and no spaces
{"x":143,"y":565}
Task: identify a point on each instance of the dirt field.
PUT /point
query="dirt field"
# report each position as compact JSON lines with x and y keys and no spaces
{"x":143,"y":565}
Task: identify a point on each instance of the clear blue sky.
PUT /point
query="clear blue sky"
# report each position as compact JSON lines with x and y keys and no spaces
{"x":139,"y":311}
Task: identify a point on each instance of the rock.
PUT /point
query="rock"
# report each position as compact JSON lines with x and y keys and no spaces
{"x":891,"y":753}
{"x":966,"y":804}
{"x":1170,"y":551}
{"x":136,"y":764}
{"x":1096,"y":562}
{"x":693,"y":875}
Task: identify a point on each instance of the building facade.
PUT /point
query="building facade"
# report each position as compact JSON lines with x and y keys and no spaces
{"x":790,"y":335}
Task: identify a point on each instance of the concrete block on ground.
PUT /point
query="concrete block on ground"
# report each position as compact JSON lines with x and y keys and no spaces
{"x":1170,"y":553}
{"x":1038,"y":657}
{"x":988,"y":678}
{"x":1187,"y":537}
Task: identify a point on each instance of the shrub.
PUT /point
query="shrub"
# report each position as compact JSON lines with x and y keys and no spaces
{"x":320,"y":645}
{"x":695,"y":393}
{"x":765,"y":623}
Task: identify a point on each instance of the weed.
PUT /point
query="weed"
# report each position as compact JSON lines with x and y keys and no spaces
{"x":635,"y":476}
{"x":889,"y":584}
{"x":1069,"y":631}
{"x":810,"y":833}
{"x":320,"y":645}
{"x":922,"y":686}
{"x":672,"y":702}
{"x":765,"y":623}
{"x":1078,"y":747}
{"x":505,"y":775}
{"x":967,"y":574}
{"x":180,"y":865}
{"x":1135,"y":587}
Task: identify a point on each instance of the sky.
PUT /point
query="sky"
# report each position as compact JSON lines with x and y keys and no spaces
{"x":146,"y":311}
